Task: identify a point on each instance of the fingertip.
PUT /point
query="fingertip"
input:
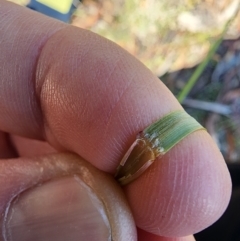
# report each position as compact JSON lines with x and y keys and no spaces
{"x":53,"y":203}
{"x":185,"y":191}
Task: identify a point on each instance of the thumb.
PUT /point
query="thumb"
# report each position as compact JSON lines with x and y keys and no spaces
{"x":61,"y":197}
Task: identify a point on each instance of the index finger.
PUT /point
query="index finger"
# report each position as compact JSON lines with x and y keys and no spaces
{"x":84,"y":94}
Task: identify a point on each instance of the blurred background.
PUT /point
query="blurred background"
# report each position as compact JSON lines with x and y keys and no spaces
{"x":193,"y":46}
{"x":171,"y":38}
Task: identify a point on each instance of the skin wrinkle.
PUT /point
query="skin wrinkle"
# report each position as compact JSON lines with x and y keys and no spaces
{"x":115,"y":142}
{"x":180,"y":222}
{"x":203,"y":213}
{"x":186,"y":206}
{"x":126,"y":127}
{"x":34,"y":102}
{"x":3,"y":66}
{"x":177,"y":202}
{"x":176,"y":181}
{"x":205,"y":208}
{"x":148,"y":210}
{"x":120,"y":92}
{"x":64,"y":100}
{"x":157,"y":205}
{"x":185,"y":210}
{"x":50,"y":93}
{"x":118,"y":99}
{"x":105,"y":86}
{"x":124,"y":124}
{"x":164,"y":205}
{"x":190,"y":181}
{"x":203,"y":202}
{"x":116,"y":145}
{"x":73,"y":69}
{"x":115,"y":106}
{"x":181,"y":195}
{"x":30,"y":86}
{"x":127,"y":123}
{"x":53,"y":34}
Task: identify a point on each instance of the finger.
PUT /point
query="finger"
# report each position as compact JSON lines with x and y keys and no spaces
{"x":91,"y":87}
{"x":183,"y":190}
{"x":145,"y":236}
{"x":92,"y":98}
{"x":18,"y":67}
{"x":26,"y":147}
{"x":61,"y":197}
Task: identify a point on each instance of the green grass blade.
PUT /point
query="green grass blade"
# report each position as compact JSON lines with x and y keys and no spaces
{"x":199,"y":70}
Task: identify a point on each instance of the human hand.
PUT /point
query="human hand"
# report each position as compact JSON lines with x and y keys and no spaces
{"x":81,"y":93}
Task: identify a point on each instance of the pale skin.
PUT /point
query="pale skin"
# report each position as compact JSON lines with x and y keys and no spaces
{"x":78,"y":92}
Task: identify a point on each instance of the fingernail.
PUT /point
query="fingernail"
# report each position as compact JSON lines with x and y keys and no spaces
{"x":64,"y":209}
